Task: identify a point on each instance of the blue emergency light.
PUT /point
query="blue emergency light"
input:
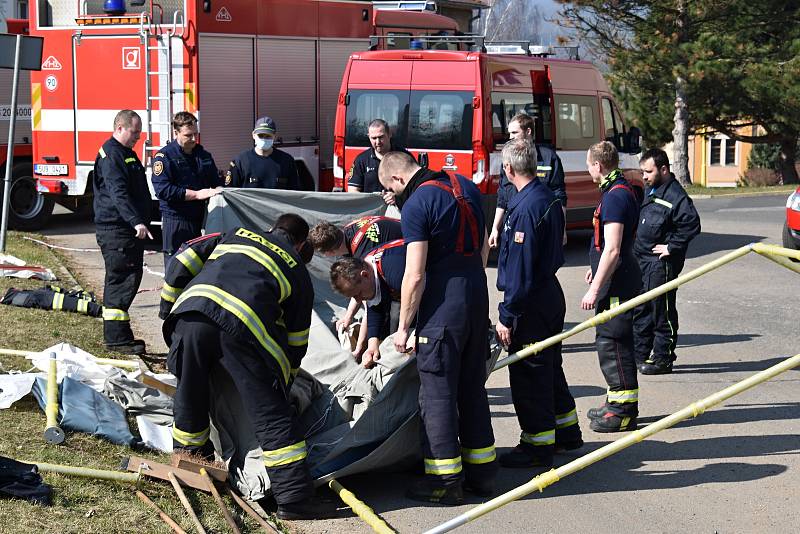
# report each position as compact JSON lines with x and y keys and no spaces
{"x":114,"y":7}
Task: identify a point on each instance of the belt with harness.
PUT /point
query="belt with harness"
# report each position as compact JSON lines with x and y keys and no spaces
{"x":366,"y":223}
{"x":377,"y":256}
{"x":596,"y":216}
{"x":466,"y":216}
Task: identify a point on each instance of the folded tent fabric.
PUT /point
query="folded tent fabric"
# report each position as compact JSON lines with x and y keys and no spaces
{"x":82,"y":409}
{"x":21,"y":480}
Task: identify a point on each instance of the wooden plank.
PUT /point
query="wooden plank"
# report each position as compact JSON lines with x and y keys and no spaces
{"x":153,"y":382}
{"x":161,"y":471}
{"x":217,"y":473}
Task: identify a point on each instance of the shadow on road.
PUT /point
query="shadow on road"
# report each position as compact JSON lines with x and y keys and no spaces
{"x":700,"y":340}
{"x":739,"y":413}
{"x":502,"y":396}
{"x":709,"y":243}
{"x":728,"y":367}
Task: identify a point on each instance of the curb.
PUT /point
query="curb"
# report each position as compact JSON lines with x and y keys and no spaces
{"x":742,"y":194}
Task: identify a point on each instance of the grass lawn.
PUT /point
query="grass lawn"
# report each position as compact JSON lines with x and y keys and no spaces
{"x":720,"y":191}
{"x":79,"y":505}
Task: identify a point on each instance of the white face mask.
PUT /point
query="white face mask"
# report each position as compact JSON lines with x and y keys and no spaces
{"x":264,"y":144}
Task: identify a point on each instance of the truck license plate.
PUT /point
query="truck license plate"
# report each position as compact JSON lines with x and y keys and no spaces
{"x":45,"y":169}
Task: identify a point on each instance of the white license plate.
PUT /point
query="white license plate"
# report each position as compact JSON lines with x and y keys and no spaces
{"x":45,"y":169}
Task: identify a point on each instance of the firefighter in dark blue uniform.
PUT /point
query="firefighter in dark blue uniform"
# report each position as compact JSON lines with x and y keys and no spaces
{"x":264,"y":166}
{"x":376,"y":281}
{"x":363,"y":175}
{"x":243,"y":301}
{"x":184,"y":176}
{"x":613,"y":278}
{"x":357,"y":238}
{"x":121,"y":215}
{"x":444,"y":286}
{"x":548,"y":170}
{"x":667,"y":223}
{"x":533,"y":309}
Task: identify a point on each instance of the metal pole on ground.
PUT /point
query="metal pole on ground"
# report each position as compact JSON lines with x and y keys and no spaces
{"x":362,"y":510}
{"x":551,"y":477}
{"x":52,"y":432}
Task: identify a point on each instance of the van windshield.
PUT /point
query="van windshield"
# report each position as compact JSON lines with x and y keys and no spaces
{"x":418,"y":119}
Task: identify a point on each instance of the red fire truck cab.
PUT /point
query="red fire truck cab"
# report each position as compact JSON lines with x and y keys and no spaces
{"x":451,"y":109}
{"x":228,"y":62}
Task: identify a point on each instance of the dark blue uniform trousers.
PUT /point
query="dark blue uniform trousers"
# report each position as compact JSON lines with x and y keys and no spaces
{"x":544,"y":405}
{"x":452,"y":349}
{"x":176,"y":231}
{"x":655,"y":323}
{"x":122,"y":255}
{"x":199,"y":347}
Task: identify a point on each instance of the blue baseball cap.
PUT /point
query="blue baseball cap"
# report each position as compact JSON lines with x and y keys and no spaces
{"x":265,"y":124}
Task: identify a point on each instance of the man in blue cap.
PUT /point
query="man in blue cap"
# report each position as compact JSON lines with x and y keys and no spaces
{"x":263,"y":166}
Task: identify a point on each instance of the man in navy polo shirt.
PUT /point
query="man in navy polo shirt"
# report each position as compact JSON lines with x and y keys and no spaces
{"x":613,"y":278}
{"x":444,"y":287}
{"x":363,"y":176}
{"x":263,"y":166}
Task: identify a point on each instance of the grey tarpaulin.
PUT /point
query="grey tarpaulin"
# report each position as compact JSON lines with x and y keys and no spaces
{"x":365,"y":419}
{"x":83,"y":409}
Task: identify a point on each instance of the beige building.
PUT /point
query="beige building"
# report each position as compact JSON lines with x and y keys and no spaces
{"x":715,"y":160}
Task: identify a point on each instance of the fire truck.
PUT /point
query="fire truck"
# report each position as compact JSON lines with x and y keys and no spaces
{"x":29,"y":209}
{"x":451,"y":109}
{"x":228,"y":62}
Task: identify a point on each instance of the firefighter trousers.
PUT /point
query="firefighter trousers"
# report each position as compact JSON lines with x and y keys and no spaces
{"x":452,"y":349}
{"x":200,"y":347}
{"x":123,"y":255}
{"x":614,"y":341}
{"x":544,"y":405}
{"x":655,"y":323}
{"x":175,"y":231}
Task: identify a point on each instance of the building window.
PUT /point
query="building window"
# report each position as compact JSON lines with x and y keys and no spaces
{"x":722,"y":151}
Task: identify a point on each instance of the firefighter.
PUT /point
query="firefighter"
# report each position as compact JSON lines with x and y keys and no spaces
{"x":357,"y":238}
{"x":243,"y":300}
{"x":121,"y":214}
{"x":374,"y":280}
{"x":363,"y":176}
{"x":444,"y":287}
{"x":548,"y":169}
{"x":613,"y":278}
{"x":533,"y":309}
{"x":184,"y":176}
{"x":263,"y":166}
{"x":667,"y":223}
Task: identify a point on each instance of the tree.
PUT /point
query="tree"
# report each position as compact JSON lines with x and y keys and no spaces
{"x":686,"y":65}
{"x":512,"y":20}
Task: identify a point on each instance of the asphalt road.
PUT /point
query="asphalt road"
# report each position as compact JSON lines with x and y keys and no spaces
{"x":733,"y":469}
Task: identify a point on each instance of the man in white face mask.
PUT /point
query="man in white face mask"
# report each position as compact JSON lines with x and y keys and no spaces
{"x":263,"y":166}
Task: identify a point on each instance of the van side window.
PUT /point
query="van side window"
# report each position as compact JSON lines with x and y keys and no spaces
{"x":440,"y":119}
{"x":506,"y":105}
{"x":577,"y":118}
{"x":366,"y":105}
{"x":612,"y":121}
{"x":398,"y":41}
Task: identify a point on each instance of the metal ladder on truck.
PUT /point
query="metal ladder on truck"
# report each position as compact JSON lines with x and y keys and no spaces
{"x":155,"y":38}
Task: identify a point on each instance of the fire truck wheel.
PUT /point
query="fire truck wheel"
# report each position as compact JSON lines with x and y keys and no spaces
{"x":30,"y":210}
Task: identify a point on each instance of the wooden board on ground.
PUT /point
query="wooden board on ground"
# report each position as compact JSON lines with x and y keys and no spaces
{"x":161,"y":471}
{"x":217,"y":473}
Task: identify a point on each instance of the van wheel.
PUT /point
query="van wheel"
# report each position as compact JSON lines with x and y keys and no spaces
{"x":789,"y":241}
{"x":30,"y":209}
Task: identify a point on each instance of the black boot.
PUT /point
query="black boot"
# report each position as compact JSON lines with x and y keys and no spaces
{"x":656,"y":367}
{"x":612,"y":422}
{"x":564,"y":446}
{"x":594,"y":413}
{"x":435,"y":491}
{"x":523,"y":455}
{"x":135,"y":347}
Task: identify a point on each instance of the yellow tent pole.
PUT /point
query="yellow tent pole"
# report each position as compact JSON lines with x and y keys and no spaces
{"x":99,"y":474}
{"x":131,"y":365}
{"x":775,"y":250}
{"x":551,"y":477}
{"x":362,"y":510}
{"x":52,"y":432}
{"x":781,"y":260}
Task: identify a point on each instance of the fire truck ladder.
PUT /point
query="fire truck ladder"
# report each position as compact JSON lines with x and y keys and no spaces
{"x":155,"y":38}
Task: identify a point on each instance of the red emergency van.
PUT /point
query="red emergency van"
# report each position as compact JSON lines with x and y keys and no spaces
{"x":452,"y":108}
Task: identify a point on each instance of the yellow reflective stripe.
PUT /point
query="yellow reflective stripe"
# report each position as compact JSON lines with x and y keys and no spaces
{"x":245,"y":314}
{"x":113,"y":314}
{"x":83,"y":306}
{"x":478,"y":456}
{"x":626,"y":395}
{"x":298,"y":339}
{"x":260,"y":257}
{"x":548,"y":437}
{"x":193,"y":439}
{"x":285,"y":455}
{"x":102,"y":152}
{"x":663,"y":202}
{"x":564,"y":420}
{"x":130,"y":160}
{"x":191,"y":261}
{"x":242,"y":232}
{"x":447,"y":466}
{"x":624,"y":423}
{"x":58,"y":301}
{"x":613,"y":302}
{"x":170,"y":293}
{"x":544,"y":168}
